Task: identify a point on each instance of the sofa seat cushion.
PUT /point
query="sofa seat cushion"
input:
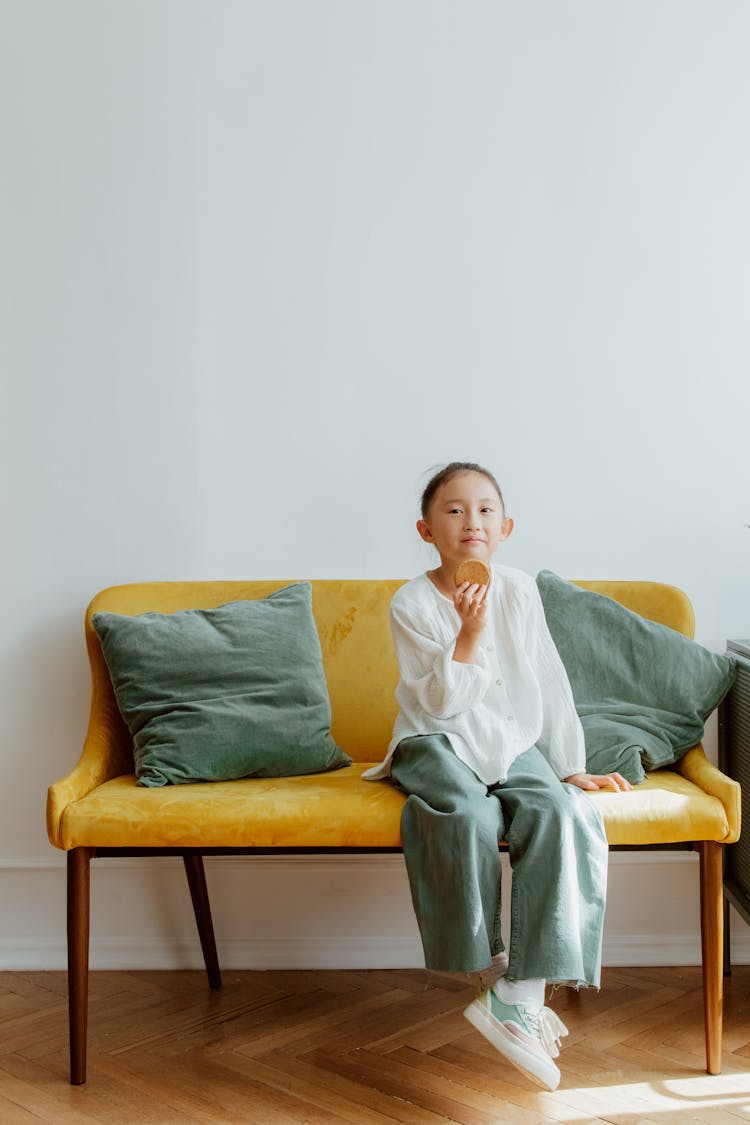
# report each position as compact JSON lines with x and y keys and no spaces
{"x":336,"y":810}
{"x":339,"y":810}
{"x":665,"y":808}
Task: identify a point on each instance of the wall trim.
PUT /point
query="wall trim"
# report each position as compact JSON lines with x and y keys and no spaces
{"x":620,"y":951}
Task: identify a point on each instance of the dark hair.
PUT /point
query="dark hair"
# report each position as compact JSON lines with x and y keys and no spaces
{"x":448,"y":473}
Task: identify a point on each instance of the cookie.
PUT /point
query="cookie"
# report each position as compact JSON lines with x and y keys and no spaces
{"x":473,"y":571}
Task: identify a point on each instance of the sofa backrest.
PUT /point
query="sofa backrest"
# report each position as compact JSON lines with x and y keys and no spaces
{"x":355,"y":638}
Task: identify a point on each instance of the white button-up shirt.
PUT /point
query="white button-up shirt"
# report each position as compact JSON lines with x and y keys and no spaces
{"x":517,"y":695}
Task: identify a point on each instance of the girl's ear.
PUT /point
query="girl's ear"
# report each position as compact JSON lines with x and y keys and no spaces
{"x":508,"y":526}
{"x":424,"y":531}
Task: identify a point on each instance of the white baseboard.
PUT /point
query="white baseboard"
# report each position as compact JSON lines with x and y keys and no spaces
{"x":276,"y":953}
{"x":632,"y":950}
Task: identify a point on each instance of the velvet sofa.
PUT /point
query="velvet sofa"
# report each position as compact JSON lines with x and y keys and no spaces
{"x":98,"y":810}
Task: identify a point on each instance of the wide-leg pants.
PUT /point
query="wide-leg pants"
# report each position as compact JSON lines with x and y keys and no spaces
{"x":451,"y":826}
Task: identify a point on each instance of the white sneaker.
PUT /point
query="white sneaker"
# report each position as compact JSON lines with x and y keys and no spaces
{"x":527,"y":1038}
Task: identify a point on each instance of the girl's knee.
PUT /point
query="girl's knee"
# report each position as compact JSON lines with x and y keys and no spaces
{"x":456,"y":819}
{"x":555,"y":815}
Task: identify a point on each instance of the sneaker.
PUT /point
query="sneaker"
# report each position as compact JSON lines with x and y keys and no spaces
{"x":529,"y":1039}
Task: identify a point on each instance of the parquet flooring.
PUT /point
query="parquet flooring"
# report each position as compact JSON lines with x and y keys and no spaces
{"x":360,"y":1048}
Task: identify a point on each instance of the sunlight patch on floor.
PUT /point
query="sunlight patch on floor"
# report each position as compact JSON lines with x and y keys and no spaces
{"x":690,"y":1095}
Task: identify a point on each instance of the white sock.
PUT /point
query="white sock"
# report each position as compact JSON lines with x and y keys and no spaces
{"x":520,"y":991}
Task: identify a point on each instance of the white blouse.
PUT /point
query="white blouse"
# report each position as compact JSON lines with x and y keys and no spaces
{"x":517,"y":695}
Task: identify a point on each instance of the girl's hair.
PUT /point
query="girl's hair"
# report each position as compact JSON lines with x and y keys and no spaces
{"x":453,"y":470}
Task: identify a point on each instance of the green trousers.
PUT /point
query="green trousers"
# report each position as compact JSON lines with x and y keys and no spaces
{"x":451,"y":826}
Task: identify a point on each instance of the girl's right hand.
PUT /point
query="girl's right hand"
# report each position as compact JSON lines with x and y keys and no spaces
{"x":471,"y":605}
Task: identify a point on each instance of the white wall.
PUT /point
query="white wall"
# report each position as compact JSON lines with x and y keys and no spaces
{"x":263,"y":264}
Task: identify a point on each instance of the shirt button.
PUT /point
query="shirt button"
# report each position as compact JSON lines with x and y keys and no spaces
{"x":511,"y":718}
{"x":499,"y":683}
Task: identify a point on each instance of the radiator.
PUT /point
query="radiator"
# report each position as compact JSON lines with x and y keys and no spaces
{"x":734,"y":760}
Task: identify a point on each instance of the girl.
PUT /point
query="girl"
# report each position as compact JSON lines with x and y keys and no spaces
{"x":488,"y":746}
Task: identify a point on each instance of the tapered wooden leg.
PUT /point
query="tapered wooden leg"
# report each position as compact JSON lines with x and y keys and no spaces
{"x":79,"y":866}
{"x":196,"y":876}
{"x":712,"y":942}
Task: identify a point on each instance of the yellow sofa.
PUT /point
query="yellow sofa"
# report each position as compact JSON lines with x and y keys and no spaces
{"x":97,"y":810}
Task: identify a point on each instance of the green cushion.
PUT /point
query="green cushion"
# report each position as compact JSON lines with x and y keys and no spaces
{"x":216,"y":694}
{"x":642,"y":690}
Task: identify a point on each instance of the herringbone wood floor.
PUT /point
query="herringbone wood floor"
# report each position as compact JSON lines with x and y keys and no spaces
{"x":366,"y":1048}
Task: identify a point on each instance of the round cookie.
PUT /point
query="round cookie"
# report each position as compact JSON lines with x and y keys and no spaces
{"x":472,"y":571}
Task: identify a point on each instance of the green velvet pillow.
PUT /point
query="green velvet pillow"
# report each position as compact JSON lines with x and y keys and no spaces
{"x":643,"y":691}
{"x":215,"y":694}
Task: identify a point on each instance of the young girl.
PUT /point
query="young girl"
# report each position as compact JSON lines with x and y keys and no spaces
{"x":488,"y":746}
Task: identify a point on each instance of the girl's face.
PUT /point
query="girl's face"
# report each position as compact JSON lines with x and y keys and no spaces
{"x":466,"y":520}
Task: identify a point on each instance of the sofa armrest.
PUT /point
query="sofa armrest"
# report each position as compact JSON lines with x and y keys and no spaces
{"x":696,"y":767}
{"x":107,"y":753}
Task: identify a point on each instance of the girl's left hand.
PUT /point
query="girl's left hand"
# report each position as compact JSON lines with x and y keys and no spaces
{"x":599,"y":781}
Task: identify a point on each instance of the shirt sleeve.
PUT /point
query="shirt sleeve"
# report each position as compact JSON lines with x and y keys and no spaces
{"x":441,"y":686}
{"x":561,"y":741}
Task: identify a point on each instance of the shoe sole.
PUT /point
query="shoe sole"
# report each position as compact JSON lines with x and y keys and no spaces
{"x":548,"y":1076}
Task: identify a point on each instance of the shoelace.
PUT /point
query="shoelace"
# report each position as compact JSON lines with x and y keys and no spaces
{"x":549,"y":1027}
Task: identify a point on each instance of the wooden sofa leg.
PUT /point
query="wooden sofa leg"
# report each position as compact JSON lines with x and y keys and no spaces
{"x":79,"y":867}
{"x":196,"y":877}
{"x":712,"y":942}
